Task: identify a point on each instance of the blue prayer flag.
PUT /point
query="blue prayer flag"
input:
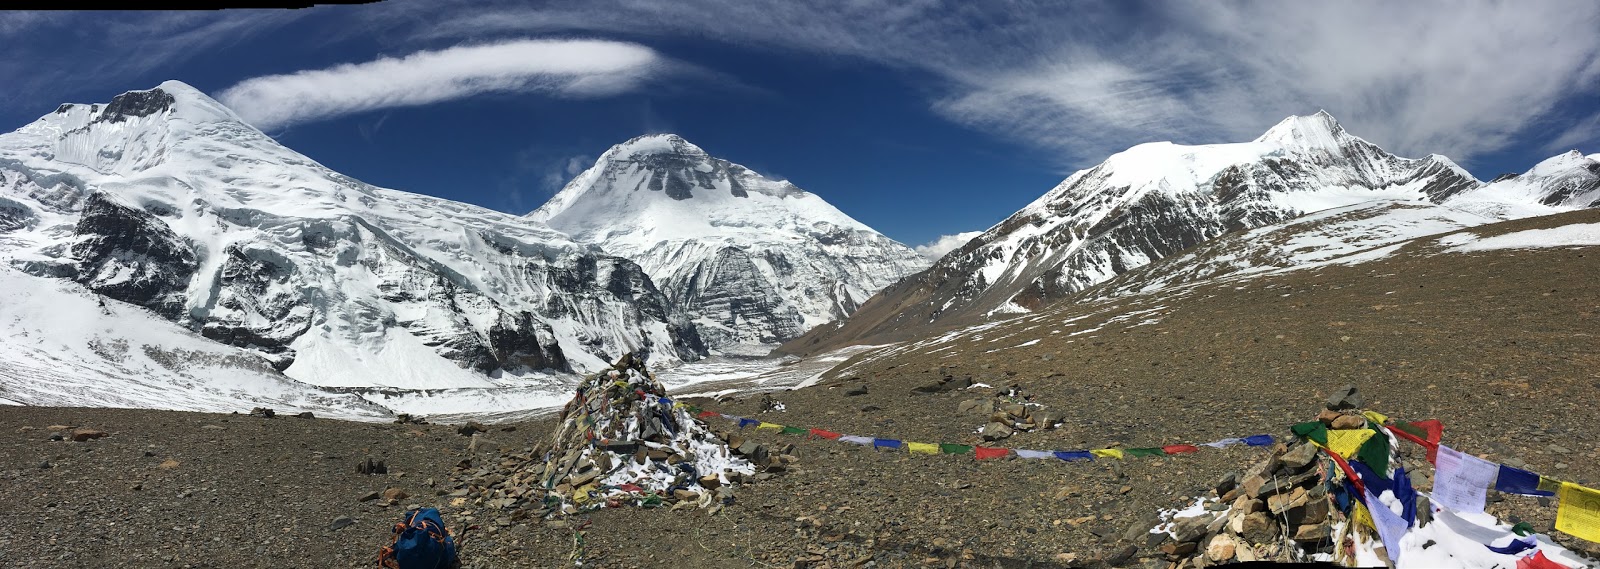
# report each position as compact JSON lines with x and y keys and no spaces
{"x":885,"y":443}
{"x":1258,"y":440}
{"x":1074,"y":455}
{"x":743,"y":422}
{"x":1516,"y":546}
{"x":1519,"y":481}
{"x":664,"y":401}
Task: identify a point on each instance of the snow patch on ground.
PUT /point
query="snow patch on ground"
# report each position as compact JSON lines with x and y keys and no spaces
{"x":1575,"y":235}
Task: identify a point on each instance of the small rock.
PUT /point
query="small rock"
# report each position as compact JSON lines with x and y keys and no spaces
{"x":262,"y":412}
{"x":996,"y":431}
{"x":1561,"y":466}
{"x":395,"y":494}
{"x":1313,"y":533}
{"x":44,"y":465}
{"x":1179,"y":549}
{"x":82,"y":434}
{"x":1220,"y":549}
{"x":1258,"y":528}
{"x":1229,"y":481}
{"x":1300,"y":456}
{"x":1344,"y":398}
{"x":370,"y":467}
{"x":340,"y":523}
{"x":1558,"y":449}
{"x":211,"y":427}
{"x":169,"y":464}
{"x":305,"y":415}
{"x":472,"y":427}
{"x":860,"y":389}
{"x":1121,"y":556}
{"x":368,"y":497}
{"x":1345,"y":422}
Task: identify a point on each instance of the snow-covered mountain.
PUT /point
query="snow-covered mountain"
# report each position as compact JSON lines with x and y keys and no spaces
{"x":166,"y":200}
{"x":1157,"y":199}
{"x":749,"y":260}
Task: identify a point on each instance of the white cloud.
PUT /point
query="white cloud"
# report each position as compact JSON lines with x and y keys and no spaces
{"x":1462,"y":79}
{"x":574,"y":68}
{"x":944,"y":244}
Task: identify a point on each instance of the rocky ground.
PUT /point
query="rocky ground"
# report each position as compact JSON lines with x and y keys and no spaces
{"x":1499,"y":346}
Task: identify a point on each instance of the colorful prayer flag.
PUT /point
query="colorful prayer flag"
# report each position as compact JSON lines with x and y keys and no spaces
{"x":1034,"y":453}
{"x":1391,"y":527}
{"x":1179,"y":449}
{"x":1426,"y":434}
{"x":1375,"y":453}
{"x":1538,"y":561}
{"x":707,"y":414}
{"x":747,"y":422}
{"x":664,"y":401}
{"x":986,"y":453}
{"x":855,"y":439}
{"x":1579,"y":511}
{"x":1375,"y":417}
{"x":1108,"y":453}
{"x":1145,"y":452}
{"x":765,"y":426}
{"x":1223,"y":443}
{"x":793,"y":431}
{"x":1071,"y":455}
{"x":1461,"y":481}
{"x":922,"y":448}
{"x":1314,"y":431}
{"x":1259,"y":440}
{"x":1347,"y":442}
{"x":885,"y":443}
{"x":948,"y":448}
{"x":830,"y":435}
{"x":1518,"y":481}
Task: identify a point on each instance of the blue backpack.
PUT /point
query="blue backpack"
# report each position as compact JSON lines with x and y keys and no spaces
{"x":420,"y":542}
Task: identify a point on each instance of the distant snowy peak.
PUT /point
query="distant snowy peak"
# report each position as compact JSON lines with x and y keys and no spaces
{"x":750,"y":259}
{"x":1308,"y":133}
{"x":1563,"y":182}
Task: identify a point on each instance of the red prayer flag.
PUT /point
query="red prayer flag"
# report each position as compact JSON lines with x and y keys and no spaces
{"x":830,"y":435}
{"x":708,"y":414}
{"x":1538,"y":561}
{"x":1435,"y":433}
{"x":1175,"y":449}
{"x":983,"y":452}
{"x":630,"y":488}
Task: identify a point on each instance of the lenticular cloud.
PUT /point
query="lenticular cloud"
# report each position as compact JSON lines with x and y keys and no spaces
{"x":576,"y":68}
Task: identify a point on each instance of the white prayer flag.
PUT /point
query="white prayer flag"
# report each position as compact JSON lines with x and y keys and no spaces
{"x":1391,"y":527}
{"x":1461,"y":481}
{"x":1034,"y":453}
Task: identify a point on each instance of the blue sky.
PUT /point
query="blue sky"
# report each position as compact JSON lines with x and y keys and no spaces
{"x":920,"y":118}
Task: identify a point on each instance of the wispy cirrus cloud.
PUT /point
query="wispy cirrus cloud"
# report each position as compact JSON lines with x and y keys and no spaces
{"x":569,"y":68}
{"x":1085,"y":79}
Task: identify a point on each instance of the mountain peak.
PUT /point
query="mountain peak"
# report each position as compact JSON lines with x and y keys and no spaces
{"x":652,"y":144}
{"x":1316,"y":131}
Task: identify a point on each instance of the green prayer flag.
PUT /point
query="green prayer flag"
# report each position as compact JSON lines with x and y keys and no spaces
{"x":1375,"y":453}
{"x":948,"y":448}
{"x":793,"y":431}
{"x":1145,"y":452}
{"x":1314,"y":430}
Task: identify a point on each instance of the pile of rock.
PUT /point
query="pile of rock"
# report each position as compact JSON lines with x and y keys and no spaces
{"x":1280,"y":509}
{"x":1009,"y":412}
{"x":621,"y":441}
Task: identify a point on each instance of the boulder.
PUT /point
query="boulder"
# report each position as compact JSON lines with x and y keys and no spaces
{"x":1313,"y":533}
{"x":394,"y":494}
{"x":858,"y":389}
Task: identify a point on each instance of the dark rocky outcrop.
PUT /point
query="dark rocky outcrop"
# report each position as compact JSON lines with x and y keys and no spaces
{"x":132,"y":256}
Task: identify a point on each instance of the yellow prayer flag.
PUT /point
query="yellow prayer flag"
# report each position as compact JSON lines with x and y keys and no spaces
{"x":765,"y":426}
{"x":1548,"y":485}
{"x":1361,"y":517}
{"x":1579,"y":511}
{"x":922,"y":448}
{"x":679,"y":405}
{"x":1376,"y":417}
{"x":1108,"y":453}
{"x":1347,"y":442}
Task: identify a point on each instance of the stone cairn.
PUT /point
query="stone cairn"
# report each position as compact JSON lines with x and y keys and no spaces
{"x":1280,"y":509}
{"x":1009,"y":412}
{"x":620,"y":442}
